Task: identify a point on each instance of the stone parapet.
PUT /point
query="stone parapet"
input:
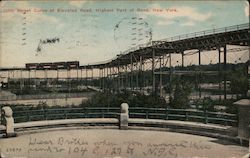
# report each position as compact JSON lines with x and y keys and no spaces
{"x":124,"y":116}
{"x":244,"y":118}
{"x":8,"y":121}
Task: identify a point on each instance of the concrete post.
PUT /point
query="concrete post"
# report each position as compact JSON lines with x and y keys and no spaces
{"x":8,"y":121}
{"x":244,"y":118}
{"x":248,"y":92}
{"x":124,"y":116}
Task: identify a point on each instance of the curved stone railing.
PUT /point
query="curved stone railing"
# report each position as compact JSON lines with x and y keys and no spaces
{"x":203,"y":116}
{"x":120,"y":120}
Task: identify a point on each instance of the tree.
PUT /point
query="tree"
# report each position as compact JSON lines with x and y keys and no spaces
{"x":239,"y":82}
{"x":182,"y":91}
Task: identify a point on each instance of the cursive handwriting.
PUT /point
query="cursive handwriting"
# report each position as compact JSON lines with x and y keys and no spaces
{"x":107,"y":148}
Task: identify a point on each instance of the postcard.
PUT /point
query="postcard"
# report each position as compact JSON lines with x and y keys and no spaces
{"x":124,"y":79}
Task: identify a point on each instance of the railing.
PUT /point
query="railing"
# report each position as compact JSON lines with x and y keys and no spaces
{"x":65,"y":113}
{"x":203,"y":116}
{"x":181,"y":37}
{"x":184,"y":115}
{"x":208,"y":32}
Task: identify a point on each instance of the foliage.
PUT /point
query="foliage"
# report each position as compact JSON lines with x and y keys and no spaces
{"x":182,"y":91}
{"x":239,"y":81}
{"x":133,"y":99}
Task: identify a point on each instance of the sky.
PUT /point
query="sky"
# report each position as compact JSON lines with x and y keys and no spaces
{"x":95,"y":31}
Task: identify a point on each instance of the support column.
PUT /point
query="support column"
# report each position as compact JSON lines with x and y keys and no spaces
{"x":153,"y":70}
{"x":137,"y":76}
{"x":118,"y":78}
{"x":107,"y":78}
{"x":81,"y":76}
{"x":170,"y":79}
{"x":126,"y":77}
{"x":219,"y":69}
{"x":92,"y":76}
{"x":35,"y":79}
{"x":29,"y":78}
{"x":68,"y":79}
{"x":199,"y":78}
{"x":143,"y":76}
{"x":161,"y":77}
{"x":225,"y":71}
{"x":111,"y":84}
{"x":132,"y":71}
{"x":57,"y":77}
{"x":77,"y":75}
{"x":8,"y":80}
{"x":103,"y":80}
{"x":46,"y":78}
{"x":57,"y":74}
{"x":140,"y":72}
{"x":122,"y":78}
{"x":21,"y":81}
{"x":86,"y":76}
{"x":182,"y":60}
{"x":100,"y":78}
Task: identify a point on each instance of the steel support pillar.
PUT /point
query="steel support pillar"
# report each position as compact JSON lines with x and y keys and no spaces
{"x":86,"y":76}
{"x":153,"y":70}
{"x":8,"y":79}
{"x":21,"y":81}
{"x":92,"y":76}
{"x":29,"y":78}
{"x":111,"y":84}
{"x":121,"y":73}
{"x":77,"y":75}
{"x":68,"y":79}
{"x":35,"y":78}
{"x":81,"y":76}
{"x":143,"y":76}
{"x":225,"y":72}
{"x":137,"y":76}
{"x":131,"y":74}
{"x":126,"y":77}
{"x":199,"y":78}
{"x":161,"y":77}
{"x":182,"y":59}
{"x":104,"y":75}
{"x":140,"y":72}
{"x":170,"y":79}
{"x":100,"y":78}
{"x":118,"y":78}
{"x":219,"y":69}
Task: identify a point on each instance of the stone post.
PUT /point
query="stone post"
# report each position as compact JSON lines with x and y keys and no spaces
{"x":8,"y":121}
{"x":244,"y":115}
{"x":124,"y":116}
{"x":244,"y":118}
{"x":248,"y":77}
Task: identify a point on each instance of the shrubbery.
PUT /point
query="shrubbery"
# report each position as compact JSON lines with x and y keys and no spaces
{"x":133,"y":99}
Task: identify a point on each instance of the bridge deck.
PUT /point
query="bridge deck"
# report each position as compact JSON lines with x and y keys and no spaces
{"x":203,"y":40}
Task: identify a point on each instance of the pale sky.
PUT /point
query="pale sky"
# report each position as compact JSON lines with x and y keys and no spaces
{"x":96,"y":36}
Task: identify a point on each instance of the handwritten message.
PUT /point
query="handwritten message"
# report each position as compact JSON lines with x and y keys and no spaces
{"x":80,"y":147}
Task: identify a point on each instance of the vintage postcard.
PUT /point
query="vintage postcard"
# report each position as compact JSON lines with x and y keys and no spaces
{"x":124,"y":79}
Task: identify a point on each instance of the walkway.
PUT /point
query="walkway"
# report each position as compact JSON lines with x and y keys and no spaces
{"x":112,"y":143}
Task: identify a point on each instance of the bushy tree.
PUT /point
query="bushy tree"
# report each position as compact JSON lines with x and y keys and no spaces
{"x":182,"y":90}
{"x":239,"y":81}
{"x":133,"y":99}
